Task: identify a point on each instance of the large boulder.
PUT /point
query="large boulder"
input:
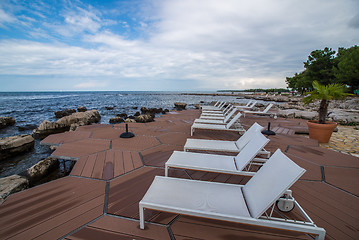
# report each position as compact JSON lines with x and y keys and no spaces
{"x":143,"y":118}
{"x":81,"y":109}
{"x":180,"y":105}
{"x":64,"y":124}
{"x":47,"y":128}
{"x":12,"y":184}
{"x":116,"y":120}
{"x":6,"y":121}
{"x":41,"y":169}
{"x":11,"y":146}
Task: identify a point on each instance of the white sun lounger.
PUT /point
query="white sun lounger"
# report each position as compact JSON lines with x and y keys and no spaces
{"x":264,"y":112}
{"x":238,"y":165}
{"x":245,"y":204}
{"x":220,"y":112}
{"x":226,"y":127}
{"x":219,"y":109}
{"x":248,"y":106}
{"x":217,"y":105}
{"x":217,"y":116}
{"x":214,"y":121}
{"x":225,"y":146}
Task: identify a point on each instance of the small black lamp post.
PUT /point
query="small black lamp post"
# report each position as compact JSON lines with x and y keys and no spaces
{"x":127,"y":134}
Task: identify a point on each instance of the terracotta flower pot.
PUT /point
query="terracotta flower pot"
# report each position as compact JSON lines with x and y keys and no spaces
{"x":321,"y":132}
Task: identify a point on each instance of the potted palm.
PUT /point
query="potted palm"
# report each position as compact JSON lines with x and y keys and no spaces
{"x":322,"y":130}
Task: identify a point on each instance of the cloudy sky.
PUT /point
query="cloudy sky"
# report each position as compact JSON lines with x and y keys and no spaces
{"x":166,"y":44}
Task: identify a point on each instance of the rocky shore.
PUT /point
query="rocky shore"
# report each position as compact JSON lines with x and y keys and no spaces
{"x":345,"y":112}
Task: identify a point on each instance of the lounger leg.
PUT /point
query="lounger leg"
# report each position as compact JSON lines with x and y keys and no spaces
{"x":142,"y":217}
{"x":166,"y":170}
{"x":320,"y":236}
{"x":192,"y":130}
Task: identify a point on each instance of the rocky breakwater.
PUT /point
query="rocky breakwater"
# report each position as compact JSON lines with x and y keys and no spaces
{"x":11,"y":146}
{"x":67,"y":123}
{"x":18,"y":182}
{"x":146,"y":115}
{"x":341,"y":111}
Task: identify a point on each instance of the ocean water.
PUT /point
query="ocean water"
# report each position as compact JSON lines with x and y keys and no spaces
{"x":31,"y":108}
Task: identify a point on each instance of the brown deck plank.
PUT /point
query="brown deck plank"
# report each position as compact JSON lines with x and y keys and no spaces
{"x":81,"y":148}
{"x":79,"y":165}
{"x":198,"y":228}
{"x":323,"y":156}
{"x":99,"y":165}
{"x":89,"y":166}
{"x":127,"y":160}
{"x":316,"y":198}
{"x":66,"y":222}
{"x":136,"y":160}
{"x":121,"y":228}
{"x":118,"y":159}
{"x":343,"y":177}
{"x":109,"y":168}
{"x":33,"y":209}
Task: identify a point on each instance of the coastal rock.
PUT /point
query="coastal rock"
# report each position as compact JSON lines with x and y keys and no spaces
{"x":81,"y":109}
{"x":116,"y":120}
{"x":6,"y":121}
{"x":12,"y":184}
{"x":88,"y":117}
{"x":294,"y":113}
{"x":64,"y":124}
{"x":145,"y":110}
{"x":110,"y":108}
{"x":41,"y":169}
{"x":129,"y":120}
{"x":180,"y":105}
{"x":165,"y":111}
{"x":11,"y":146}
{"x":26,"y":127}
{"x":63,"y":113}
{"x":143,"y":118}
{"x":137,"y":114}
{"x":47,"y":128}
{"x":123,"y":115}
{"x":344,"y":117}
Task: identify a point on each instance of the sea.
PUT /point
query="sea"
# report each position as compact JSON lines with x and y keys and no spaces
{"x":31,"y":108}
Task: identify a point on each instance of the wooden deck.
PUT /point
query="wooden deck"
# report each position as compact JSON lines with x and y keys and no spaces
{"x":99,"y":200}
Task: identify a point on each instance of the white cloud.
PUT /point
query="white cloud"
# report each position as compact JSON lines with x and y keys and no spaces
{"x":215,"y":44}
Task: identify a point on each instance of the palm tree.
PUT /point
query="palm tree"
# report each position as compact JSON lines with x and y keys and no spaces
{"x":325,"y":93}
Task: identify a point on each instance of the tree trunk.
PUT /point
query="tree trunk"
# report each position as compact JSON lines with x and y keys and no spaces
{"x":323,"y":110}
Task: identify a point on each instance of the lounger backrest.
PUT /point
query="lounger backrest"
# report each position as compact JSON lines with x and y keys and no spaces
{"x":226,"y":111}
{"x":252,"y":105}
{"x":221,"y":105}
{"x":234,"y":119}
{"x":217,"y":103}
{"x":267,"y":108}
{"x":230,"y":115}
{"x":248,"y":135}
{"x":248,"y":103}
{"x":271,"y":181}
{"x":251,"y":150}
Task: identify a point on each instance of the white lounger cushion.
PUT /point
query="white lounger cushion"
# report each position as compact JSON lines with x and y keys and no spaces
{"x":184,"y":196}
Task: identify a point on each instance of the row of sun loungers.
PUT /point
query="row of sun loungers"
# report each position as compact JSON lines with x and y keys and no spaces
{"x":252,"y":203}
